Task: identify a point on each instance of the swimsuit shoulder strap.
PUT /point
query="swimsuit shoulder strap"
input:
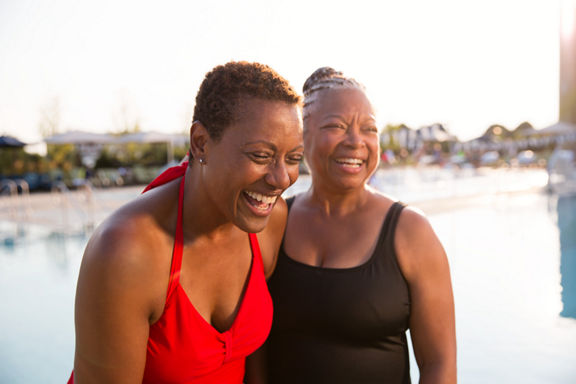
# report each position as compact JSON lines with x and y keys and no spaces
{"x":178,"y":244}
{"x":255,"y":247}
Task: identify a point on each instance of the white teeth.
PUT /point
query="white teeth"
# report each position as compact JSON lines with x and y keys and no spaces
{"x":262,"y":198}
{"x":350,"y":161}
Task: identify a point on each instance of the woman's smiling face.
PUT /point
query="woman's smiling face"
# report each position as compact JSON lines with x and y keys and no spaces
{"x":341,"y":139}
{"x":254,"y":161}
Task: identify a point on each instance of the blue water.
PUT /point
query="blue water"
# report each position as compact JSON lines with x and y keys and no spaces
{"x":512,"y":256}
{"x":513,"y":283}
{"x":566,"y":208}
{"x":38,"y":274}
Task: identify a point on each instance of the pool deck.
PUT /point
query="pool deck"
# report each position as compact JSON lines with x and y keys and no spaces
{"x":82,"y":210}
{"x":65,"y":212}
{"x":432,"y":192}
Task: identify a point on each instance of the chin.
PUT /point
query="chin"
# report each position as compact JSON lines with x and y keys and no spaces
{"x":351,"y":182}
{"x":252,"y":225}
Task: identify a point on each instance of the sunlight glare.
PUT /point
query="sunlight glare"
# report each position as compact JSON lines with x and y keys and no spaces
{"x":568,"y":16}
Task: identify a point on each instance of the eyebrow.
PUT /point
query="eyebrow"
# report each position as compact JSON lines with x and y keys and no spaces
{"x":371,"y":115}
{"x":334,"y":115}
{"x":270,"y":145}
{"x":372,"y":118}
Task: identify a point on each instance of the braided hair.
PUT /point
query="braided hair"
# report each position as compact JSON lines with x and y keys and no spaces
{"x":325,"y":78}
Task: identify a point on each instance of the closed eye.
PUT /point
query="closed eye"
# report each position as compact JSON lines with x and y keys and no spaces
{"x":295,"y":159}
{"x":371,"y":128}
{"x":334,"y":126}
{"x":260,"y":157}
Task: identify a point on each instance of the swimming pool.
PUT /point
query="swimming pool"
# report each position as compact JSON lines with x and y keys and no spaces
{"x":506,"y":264}
{"x":512,"y":251}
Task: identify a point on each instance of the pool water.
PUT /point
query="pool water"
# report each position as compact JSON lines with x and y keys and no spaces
{"x":512,"y":253}
{"x":38,"y":274}
{"x":513,"y":286}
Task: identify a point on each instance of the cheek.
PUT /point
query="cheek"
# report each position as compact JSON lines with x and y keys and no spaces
{"x":330,"y":138}
{"x":374,"y":145}
{"x":375,"y":156}
{"x":322,"y":146}
{"x":293,"y":173}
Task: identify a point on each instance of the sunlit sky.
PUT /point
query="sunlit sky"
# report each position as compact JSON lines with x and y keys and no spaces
{"x":464,"y":63}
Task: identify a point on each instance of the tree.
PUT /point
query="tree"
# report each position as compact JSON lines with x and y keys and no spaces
{"x":50,"y":118}
{"x":125,"y":120}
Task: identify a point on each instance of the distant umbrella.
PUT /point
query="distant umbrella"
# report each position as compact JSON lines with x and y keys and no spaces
{"x":10,"y":142}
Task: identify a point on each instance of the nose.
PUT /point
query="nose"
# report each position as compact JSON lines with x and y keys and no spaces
{"x":354,"y":137}
{"x":278,"y":175}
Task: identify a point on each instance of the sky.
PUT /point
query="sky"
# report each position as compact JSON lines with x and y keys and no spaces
{"x":102,"y":65}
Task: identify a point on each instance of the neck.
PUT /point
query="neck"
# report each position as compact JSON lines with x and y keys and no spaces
{"x":202,"y":218}
{"x":337,"y":202}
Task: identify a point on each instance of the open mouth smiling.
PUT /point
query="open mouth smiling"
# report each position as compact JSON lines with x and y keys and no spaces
{"x":350,"y":162}
{"x":262,"y":203}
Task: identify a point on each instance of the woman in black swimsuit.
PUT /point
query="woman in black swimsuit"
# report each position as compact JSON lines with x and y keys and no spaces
{"x":357,"y":269}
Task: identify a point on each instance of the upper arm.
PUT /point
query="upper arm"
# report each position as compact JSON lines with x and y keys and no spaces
{"x":112,"y":311}
{"x":425,"y":266}
{"x":270,"y":238}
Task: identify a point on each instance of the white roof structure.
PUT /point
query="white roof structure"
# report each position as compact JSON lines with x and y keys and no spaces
{"x":153,"y":137}
{"x":80,"y":137}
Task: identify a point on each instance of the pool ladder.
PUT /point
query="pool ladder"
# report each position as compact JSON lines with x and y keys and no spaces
{"x":70,"y":202}
{"x":18,"y":200}
{"x":18,"y":207}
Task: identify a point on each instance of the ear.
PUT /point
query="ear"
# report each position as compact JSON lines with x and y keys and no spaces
{"x":198,"y":138}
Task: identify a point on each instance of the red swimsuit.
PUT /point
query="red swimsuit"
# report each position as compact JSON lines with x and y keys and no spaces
{"x":182,"y":346}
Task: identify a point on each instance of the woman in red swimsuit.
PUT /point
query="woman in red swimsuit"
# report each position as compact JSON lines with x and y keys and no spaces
{"x":172,"y":286}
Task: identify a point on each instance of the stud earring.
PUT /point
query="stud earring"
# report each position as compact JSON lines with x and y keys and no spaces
{"x":202,"y":161}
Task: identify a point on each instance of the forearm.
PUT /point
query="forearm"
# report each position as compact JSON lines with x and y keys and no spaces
{"x":256,"y":367}
{"x":438,"y":372}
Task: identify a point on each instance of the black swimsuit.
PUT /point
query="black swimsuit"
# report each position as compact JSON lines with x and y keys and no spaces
{"x":341,"y":325}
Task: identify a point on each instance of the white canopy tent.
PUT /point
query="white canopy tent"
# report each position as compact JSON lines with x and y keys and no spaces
{"x":88,"y":144}
{"x":80,"y":137}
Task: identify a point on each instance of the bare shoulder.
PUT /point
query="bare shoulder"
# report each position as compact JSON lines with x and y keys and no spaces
{"x":134,"y":237}
{"x":418,"y":248}
{"x":270,"y":238}
{"x":379,"y":203}
{"x":413,"y":219}
{"x":125,"y":256}
{"x":123,"y":240}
